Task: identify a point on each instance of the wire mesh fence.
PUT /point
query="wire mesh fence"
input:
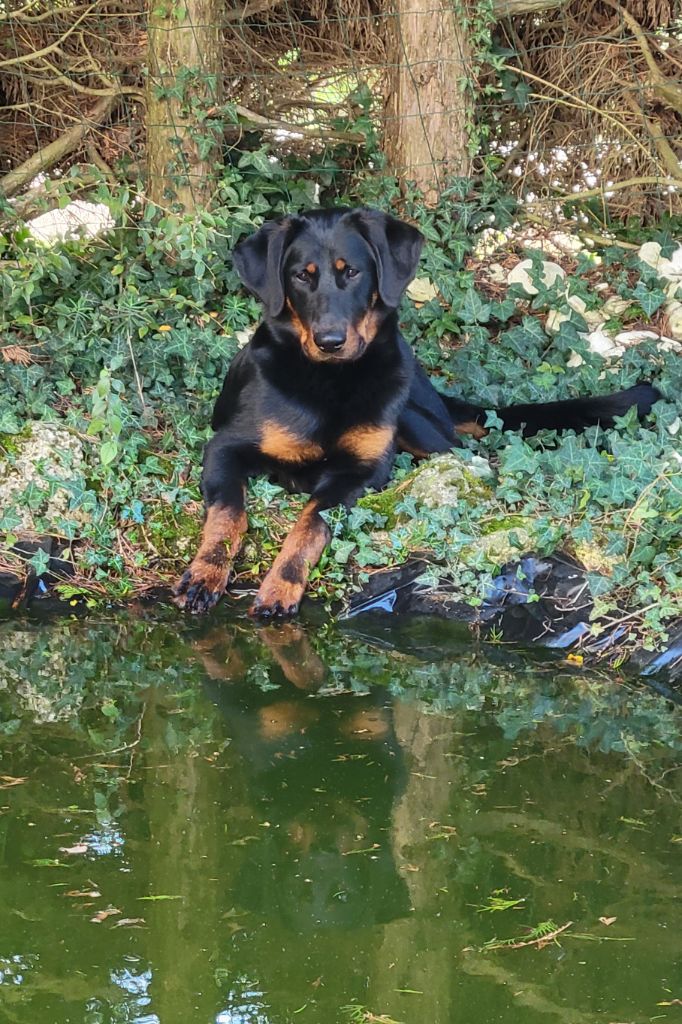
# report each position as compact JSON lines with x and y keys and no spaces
{"x":556,"y":99}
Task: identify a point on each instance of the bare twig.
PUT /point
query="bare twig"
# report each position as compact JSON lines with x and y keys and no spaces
{"x":540,"y":942}
{"x":51,"y":154}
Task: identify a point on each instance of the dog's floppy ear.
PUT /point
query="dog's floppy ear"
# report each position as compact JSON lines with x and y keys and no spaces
{"x":396,"y":247}
{"x":259,"y":262}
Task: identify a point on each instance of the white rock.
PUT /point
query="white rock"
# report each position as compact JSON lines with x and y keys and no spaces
{"x":555,"y":318}
{"x":49,"y":453}
{"x":496,"y":273}
{"x":627,"y":339}
{"x":673,"y":312}
{"x":578,"y":304}
{"x":575,"y":360}
{"x":669,"y":269}
{"x":615,"y":306}
{"x":520,"y":274}
{"x":650,"y":253}
{"x":245,"y":336}
{"x":77,"y":220}
{"x":603,"y":344}
{"x":489,"y":241}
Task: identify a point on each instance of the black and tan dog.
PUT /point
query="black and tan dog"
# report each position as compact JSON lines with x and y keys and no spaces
{"x":327,"y":391}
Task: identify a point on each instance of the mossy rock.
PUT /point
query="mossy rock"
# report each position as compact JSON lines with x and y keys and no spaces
{"x":501,"y":545}
{"x":43,"y":460}
{"x":441,"y":480}
{"x":449,"y":478}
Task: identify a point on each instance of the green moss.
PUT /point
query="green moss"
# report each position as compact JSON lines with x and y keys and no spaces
{"x":384,"y":503}
{"x":10,"y":444}
{"x":505,"y":523}
{"x":174,"y":531}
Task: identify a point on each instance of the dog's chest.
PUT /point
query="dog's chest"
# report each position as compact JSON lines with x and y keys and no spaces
{"x":284,"y":443}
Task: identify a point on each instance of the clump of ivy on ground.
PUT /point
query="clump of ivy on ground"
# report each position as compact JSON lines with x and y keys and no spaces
{"x":120,"y":345}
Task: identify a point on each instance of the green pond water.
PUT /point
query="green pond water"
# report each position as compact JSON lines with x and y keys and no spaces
{"x":216,"y":823}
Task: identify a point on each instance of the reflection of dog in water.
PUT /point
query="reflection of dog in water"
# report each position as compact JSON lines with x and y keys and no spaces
{"x":324,"y":772}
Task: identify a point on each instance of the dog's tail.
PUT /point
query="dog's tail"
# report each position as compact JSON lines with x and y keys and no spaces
{"x":573,"y":414}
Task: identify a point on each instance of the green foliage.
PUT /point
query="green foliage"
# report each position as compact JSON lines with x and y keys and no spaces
{"x":131,"y":336}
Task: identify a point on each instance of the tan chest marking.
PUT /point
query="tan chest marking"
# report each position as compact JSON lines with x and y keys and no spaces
{"x":367,"y":443}
{"x":283,"y":445}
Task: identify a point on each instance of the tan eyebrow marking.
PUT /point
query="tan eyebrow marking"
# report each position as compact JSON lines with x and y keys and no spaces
{"x":340,"y":264}
{"x":311,"y":268}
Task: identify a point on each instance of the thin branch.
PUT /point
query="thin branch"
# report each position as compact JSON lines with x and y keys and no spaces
{"x":99,"y":161}
{"x":665,"y":88}
{"x":512,"y":8}
{"x":55,"y":151}
{"x":26,"y":58}
{"x":250,"y":9}
{"x":542,"y":940}
{"x":259,"y":121}
{"x":616,"y":186}
{"x":580,"y":103}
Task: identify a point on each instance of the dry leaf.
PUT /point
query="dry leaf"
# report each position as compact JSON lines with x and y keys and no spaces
{"x":102,"y":915}
{"x":78,"y":848}
{"x":84,"y":893}
{"x":421,"y":290}
{"x":16,"y":354}
{"x":129,"y":922}
{"x":6,"y":781}
{"x":607,"y":920}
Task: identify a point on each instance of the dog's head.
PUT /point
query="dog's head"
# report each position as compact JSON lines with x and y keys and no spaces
{"x":332,"y":276}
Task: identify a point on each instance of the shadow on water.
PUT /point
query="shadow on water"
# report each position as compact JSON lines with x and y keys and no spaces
{"x":211,"y":822}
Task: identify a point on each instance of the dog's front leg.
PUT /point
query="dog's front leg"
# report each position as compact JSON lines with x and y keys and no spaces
{"x":223,"y":483}
{"x":282,"y":590}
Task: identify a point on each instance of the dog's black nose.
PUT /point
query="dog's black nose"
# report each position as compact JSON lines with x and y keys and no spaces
{"x":330,"y":341}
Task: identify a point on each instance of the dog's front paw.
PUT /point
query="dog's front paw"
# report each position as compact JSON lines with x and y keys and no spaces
{"x":277,"y":598}
{"x":200,"y":588}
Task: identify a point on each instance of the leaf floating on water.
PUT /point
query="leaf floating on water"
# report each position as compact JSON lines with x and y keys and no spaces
{"x":366,"y":849}
{"x":102,"y":915}
{"x":607,"y":920}
{"x":84,"y":894}
{"x":49,"y":862}
{"x":244,"y":840}
{"x":162,"y":896}
{"x":540,"y":936}
{"x":670,"y":1002}
{"x":498,"y":902}
{"x":636,"y":823}
{"x":78,"y":848}
{"x":7,"y":781}
{"x":130,"y":922}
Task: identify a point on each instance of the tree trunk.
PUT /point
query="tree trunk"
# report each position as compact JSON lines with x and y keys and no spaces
{"x":183,"y":83}
{"x":427,"y":110}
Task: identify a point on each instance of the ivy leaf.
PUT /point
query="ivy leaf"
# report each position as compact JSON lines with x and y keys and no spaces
{"x":108,"y":452}
{"x":649,"y":300}
{"x":474,"y":309}
{"x":40,"y":562}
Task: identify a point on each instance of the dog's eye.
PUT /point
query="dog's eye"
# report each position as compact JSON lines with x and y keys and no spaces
{"x":351,"y":272}
{"x":303,"y":275}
